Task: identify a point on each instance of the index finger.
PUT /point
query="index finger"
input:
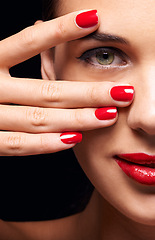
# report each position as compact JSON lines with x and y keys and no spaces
{"x":35,"y":39}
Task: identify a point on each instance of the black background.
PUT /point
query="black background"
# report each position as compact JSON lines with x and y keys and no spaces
{"x":36,"y":187}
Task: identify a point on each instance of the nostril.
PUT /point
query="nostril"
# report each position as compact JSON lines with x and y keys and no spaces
{"x":141,"y":131}
{"x":145,"y":131}
{"x":141,"y":119}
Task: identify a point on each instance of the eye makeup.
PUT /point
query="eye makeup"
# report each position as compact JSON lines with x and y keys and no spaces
{"x":105,"y":58}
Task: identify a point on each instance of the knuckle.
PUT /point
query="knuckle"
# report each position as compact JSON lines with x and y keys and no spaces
{"x":78,"y":118}
{"x":44,"y":144}
{"x":36,"y":116}
{"x":14,"y":142}
{"x":50,"y":91}
{"x":93,"y":93}
{"x":60,"y":29}
{"x":27,"y":36}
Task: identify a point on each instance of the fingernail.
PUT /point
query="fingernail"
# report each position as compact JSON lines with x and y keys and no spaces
{"x":87,"y":19}
{"x":122,"y":93}
{"x":71,"y":137}
{"x":106,"y":113}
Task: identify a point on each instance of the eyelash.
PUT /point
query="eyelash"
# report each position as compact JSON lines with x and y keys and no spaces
{"x":90,"y":57}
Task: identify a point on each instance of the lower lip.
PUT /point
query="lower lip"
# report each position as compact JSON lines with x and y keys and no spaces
{"x":140,"y":174}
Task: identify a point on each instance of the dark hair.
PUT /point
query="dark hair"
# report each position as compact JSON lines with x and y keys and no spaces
{"x":49,"y":9}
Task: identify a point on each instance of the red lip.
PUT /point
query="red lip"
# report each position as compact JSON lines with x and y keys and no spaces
{"x":140,"y":158}
{"x":138,"y":166}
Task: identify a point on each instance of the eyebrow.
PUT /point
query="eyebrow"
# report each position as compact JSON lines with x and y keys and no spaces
{"x":106,"y":37}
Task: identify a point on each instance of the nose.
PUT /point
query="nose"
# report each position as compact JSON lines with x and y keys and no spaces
{"x":141,"y":116}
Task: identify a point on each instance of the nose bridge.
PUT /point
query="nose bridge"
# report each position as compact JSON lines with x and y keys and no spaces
{"x":142,"y":111}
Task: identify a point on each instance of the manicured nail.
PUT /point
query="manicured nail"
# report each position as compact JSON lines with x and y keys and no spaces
{"x":87,"y":19}
{"x":106,"y":113}
{"x":71,"y":137}
{"x":122,"y":93}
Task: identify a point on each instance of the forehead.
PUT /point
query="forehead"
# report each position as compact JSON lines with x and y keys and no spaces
{"x":133,"y":19}
{"x":119,"y":8}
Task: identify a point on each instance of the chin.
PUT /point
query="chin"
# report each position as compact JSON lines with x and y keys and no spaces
{"x":146,"y":218}
{"x":137,"y":204}
{"x":133,"y":208}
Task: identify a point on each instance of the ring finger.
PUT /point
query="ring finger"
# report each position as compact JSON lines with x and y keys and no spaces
{"x":43,"y":120}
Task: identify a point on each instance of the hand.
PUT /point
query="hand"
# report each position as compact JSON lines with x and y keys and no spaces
{"x":45,"y":109}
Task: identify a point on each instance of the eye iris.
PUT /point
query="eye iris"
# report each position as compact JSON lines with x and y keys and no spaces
{"x":105,"y":58}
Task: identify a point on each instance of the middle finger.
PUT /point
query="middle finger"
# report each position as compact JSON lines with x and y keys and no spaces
{"x":63,"y":94}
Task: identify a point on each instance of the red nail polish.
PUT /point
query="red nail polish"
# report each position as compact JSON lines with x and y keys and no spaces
{"x":106,"y":113}
{"x":87,"y":19}
{"x":71,"y":137}
{"x":122,"y":93}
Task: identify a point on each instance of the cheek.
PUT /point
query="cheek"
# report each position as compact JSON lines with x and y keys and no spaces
{"x":95,"y":157}
{"x":60,"y":61}
{"x":101,"y":170}
{"x":65,"y":65}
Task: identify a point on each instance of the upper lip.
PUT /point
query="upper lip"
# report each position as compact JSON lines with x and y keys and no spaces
{"x":139,"y":158}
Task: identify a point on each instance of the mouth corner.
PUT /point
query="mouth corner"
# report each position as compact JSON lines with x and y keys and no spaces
{"x":139,"y":167}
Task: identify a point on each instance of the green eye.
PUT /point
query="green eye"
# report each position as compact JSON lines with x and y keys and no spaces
{"x":105,"y":58}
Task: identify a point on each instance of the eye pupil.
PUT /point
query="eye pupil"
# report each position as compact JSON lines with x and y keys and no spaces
{"x":105,"y":55}
{"x":105,"y":58}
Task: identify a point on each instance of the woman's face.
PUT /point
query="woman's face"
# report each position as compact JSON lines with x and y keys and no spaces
{"x":131,"y":60}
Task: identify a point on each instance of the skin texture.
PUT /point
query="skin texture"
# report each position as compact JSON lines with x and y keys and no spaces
{"x":132,"y":203}
{"x":53,"y":108}
{"x":119,"y":208}
{"x":35,"y":122}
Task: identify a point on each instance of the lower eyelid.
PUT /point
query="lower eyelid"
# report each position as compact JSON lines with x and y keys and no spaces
{"x":107,"y":68}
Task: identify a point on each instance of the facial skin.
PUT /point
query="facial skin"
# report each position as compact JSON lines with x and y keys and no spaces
{"x":134,"y":131}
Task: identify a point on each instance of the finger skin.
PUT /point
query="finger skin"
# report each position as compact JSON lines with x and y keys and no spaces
{"x":22,"y":144}
{"x":44,"y":120}
{"x":35,"y":39}
{"x":57,"y":94}
{"x":46,"y":94}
